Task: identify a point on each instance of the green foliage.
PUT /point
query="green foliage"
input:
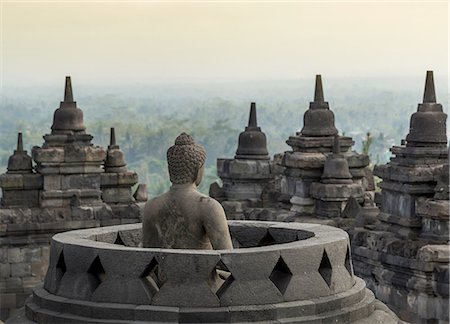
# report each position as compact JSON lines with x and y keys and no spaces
{"x":366,"y":143}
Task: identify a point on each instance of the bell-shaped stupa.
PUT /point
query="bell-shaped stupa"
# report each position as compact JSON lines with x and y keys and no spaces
{"x":252,"y":141}
{"x":20,"y":161}
{"x":68,"y":117}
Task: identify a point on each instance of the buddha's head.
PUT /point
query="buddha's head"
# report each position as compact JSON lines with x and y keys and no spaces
{"x":186,"y":160}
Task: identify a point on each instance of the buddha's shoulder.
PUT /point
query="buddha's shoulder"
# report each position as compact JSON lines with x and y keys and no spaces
{"x":156,"y":202}
{"x":208,"y":202}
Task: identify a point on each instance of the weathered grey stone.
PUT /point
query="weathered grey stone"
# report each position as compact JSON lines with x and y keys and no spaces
{"x":141,"y":193}
{"x":82,"y":181}
{"x":20,"y":269}
{"x":117,"y":195}
{"x":5,"y":270}
{"x":15,"y":255}
{"x":11,"y":181}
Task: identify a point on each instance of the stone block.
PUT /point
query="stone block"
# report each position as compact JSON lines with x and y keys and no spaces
{"x":21,"y":298}
{"x":31,"y":254}
{"x":14,"y":284}
{"x":397,"y":203}
{"x":80,"y":181}
{"x":204,"y":315}
{"x":7,"y":301}
{"x":20,"y":198}
{"x":356,"y":160}
{"x":20,"y":269}
{"x":434,"y":253}
{"x":124,"y":290}
{"x":82,"y":213}
{"x":304,"y":160}
{"x":5,"y":270}
{"x":48,"y":154}
{"x":109,"y":179}
{"x":335,"y":192}
{"x":113,"y":311}
{"x":194,"y":292}
{"x":141,"y":193}
{"x":430,"y":208}
{"x":252,"y":284}
{"x":129,"y":178}
{"x":117,"y":195}
{"x":11,"y":181}
{"x":15,"y":255}
{"x":39,"y":268}
{"x":32,"y":181}
{"x":95,"y":154}
{"x":3,"y":254}
{"x":45,"y":252}
{"x":52,"y":182}
{"x":253,"y":313}
{"x":156,"y":313}
{"x":30,"y":282}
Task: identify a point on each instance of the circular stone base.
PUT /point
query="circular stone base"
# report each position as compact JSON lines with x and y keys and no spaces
{"x":278,"y":272}
{"x":356,"y":304}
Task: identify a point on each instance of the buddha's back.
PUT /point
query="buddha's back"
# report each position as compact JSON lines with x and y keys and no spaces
{"x":174,"y":220}
{"x":183,"y":218}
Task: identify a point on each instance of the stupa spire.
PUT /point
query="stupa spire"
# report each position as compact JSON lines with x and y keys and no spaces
{"x":318,"y":92}
{"x":68,"y":94}
{"x":252,"y":121}
{"x":19,"y":142}
{"x":429,"y":94}
{"x":112,"y":137}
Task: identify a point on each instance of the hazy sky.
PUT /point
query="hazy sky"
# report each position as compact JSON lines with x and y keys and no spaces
{"x":123,"y":43}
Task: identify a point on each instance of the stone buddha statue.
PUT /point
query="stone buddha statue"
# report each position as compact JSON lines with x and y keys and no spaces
{"x":184,"y":218}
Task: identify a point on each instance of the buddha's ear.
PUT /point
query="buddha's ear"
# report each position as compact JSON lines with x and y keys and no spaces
{"x":199,"y":174}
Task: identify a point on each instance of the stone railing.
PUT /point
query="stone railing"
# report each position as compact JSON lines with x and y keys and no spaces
{"x":273,"y":263}
{"x":290,"y":272}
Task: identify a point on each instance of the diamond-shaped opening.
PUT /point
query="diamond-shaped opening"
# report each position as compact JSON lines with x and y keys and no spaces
{"x":97,"y":273}
{"x":221,"y":279}
{"x":281,"y":275}
{"x":325,"y":268}
{"x":235,"y":242}
{"x":267,"y":240}
{"x":119,"y":240}
{"x":60,"y":267}
{"x":153,"y":277}
{"x":348,"y":262}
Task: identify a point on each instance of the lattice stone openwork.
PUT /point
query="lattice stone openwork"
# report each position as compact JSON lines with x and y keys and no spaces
{"x":97,"y":268}
{"x":224,"y":277}
{"x":60,"y":267}
{"x":281,"y":275}
{"x":325,"y":268}
{"x":348,"y":261}
{"x":153,"y":277}
{"x":97,"y":273}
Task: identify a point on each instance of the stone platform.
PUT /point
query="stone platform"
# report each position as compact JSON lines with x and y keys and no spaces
{"x":278,"y":272}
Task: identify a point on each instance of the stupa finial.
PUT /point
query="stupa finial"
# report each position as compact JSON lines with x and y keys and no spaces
{"x":112,"y":137}
{"x":68,"y":95}
{"x":252,"y":122}
{"x":318,"y":92}
{"x":19,"y":142}
{"x":429,"y":94}
{"x":336,"y":145}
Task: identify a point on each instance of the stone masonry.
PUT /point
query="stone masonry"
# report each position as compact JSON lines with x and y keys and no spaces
{"x":304,"y":165}
{"x":246,"y":177}
{"x":404,"y":256}
{"x":73,"y":185}
{"x":294,"y":186}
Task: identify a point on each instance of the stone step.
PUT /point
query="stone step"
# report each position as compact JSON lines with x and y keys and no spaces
{"x":352,"y":304}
